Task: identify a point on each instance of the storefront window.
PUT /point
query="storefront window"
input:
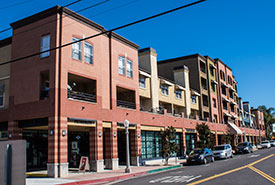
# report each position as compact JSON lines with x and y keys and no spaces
{"x":150,"y":144}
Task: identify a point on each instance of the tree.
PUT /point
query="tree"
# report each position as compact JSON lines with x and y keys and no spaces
{"x":204,"y":136}
{"x":269,"y":119}
{"x":168,"y":139}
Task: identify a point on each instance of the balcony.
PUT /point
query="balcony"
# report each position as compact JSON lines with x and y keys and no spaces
{"x":126,"y":98}
{"x":81,"y":88}
{"x":126,"y":104}
{"x":81,"y":96}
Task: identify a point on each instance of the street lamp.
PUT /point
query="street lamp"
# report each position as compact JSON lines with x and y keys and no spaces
{"x":126,"y":125}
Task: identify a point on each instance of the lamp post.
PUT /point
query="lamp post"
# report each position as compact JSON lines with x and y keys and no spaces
{"x":126,"y":125}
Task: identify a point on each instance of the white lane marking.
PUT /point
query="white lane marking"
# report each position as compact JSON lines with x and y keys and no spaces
{"x":175,"y":179}
{"x":255,"y":155}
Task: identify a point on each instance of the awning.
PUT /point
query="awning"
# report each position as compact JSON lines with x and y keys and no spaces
{"x":225,"y":84}
{"x":215,"y":82}
{"x":144,"y":74}
{"x":232,"y":89}
{"x":180,"y":87}
{"x":233,"y":103}
{"x":226,"y":99}
{"x":166,"y":82}
{"x":195,"y":93}
{"x":213,"y":66}
{"x":235,"y":128}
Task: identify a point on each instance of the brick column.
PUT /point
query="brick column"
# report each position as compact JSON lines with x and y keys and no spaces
{"x":184,"y":142}
{"x":96,"y":148}
{"x":135,"y":144}
{"x":112,"y":161}
{"x":216,"y":138}
{"x":57,"y":147}
{"x":14,"y":132}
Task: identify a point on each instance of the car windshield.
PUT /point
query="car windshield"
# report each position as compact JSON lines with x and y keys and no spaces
{"x":219,"y":148}
{"x":198,"y":151}
{"x":242,"y":144}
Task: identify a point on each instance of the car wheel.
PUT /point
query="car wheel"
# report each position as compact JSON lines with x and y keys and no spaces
{"x":212,"y":159}
{"x":204,"y":161}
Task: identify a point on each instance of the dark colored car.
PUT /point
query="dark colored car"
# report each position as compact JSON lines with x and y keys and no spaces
{"x":244,"y":147}
{"x":200,"y":155}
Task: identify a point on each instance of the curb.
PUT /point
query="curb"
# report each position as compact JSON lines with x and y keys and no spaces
{"x":110,"y":179}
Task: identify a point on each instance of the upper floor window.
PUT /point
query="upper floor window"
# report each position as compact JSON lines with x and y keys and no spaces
{"x":222,"y":75}
{"x":194,"y":99}
{"x":77,"y":49}
{"x":164,"y":90}
{"x":2,"y":89}
{"x":44,"y":46}
{"x":214,"y":103}
{"x":202,"y":66}
{"x":129,"y":68}
{"x":88,"y":53}
{"x":213,"y":86}
{"x":142,"y":82}
{"x":121,"y":65}
{"x":212,"y":71}
{"x":178,"y":94}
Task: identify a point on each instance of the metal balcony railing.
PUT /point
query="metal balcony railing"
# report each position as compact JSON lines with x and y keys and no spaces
{"x":81,"y":96}
{"x":126,"y":104}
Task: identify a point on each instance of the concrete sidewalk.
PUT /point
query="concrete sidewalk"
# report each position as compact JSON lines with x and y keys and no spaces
{"x":75,"y":178}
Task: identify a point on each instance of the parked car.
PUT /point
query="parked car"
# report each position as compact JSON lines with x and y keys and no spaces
{"x":272,"y":143}
{"x":223,"y":151}
{"x":200,"y":155}
{"x":266,"y":144}
{"x":244,"y":147}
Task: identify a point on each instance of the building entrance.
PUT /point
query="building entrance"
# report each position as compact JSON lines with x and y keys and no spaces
{"x":121,"y":146}
{"x":190,"y":142}
{"x":37,"y":149}
{"x":78,"y":145}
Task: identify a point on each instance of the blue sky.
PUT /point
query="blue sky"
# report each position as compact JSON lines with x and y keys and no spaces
{"x":240,"y":33}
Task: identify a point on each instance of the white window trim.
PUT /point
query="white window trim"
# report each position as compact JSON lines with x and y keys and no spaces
{"x":88,"y":54}
{"x":131,"y":69}
{"x":79,"y":50}
{"x":44,"y":47}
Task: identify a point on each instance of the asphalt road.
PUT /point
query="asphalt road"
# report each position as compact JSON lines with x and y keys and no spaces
{"x":251,"y":169}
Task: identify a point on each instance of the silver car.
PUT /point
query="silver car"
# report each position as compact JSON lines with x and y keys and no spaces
{"x":223,"y":151}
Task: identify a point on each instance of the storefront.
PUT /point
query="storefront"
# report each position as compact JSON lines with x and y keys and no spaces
{"x":150,"y":144}
{"x":37,"y":149}
{"x":191,"y":139}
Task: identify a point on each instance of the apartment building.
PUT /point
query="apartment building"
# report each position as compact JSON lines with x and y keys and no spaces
{"x":198,"y":70}
{"x":72,"y":102}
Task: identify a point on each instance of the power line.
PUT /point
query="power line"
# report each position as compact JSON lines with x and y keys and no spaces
{"x":56,"y":19}
{"x":107,"y":31}
{"x":19,"y":3}
{"x":7,"y":29}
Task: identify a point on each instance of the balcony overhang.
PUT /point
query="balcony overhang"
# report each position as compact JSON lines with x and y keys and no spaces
{"x":212,"y":65}
{"x":226,"y":114}
{"x":215,"y":82}
{"x":166,"y":82}
{"x":225,"y":99}
{"x":195,"y":93}
{"x":144,"y":74}
{"x":180,"y":88}
{"x":225,"y":85}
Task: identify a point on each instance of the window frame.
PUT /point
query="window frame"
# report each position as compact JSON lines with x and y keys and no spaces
{"x":178,"y":94}
{"x":130,"y":71}
{"x":164,"y":88}
{"x":45,"y":43}
{"x":121,"y":68}
{"x":142,"y":82}
{"x":194,"y":99}
{"x":90,"y":55}
{"x":79,"y":50}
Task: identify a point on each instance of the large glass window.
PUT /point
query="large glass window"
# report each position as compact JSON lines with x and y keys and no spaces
{"x":2,"y":89}
{"x":150,"y":144}
{"x":88,"y":53}
{"x":44,"y":46}
{"x":121,"y":65}
{"x":77,"y":49}
{"x":129,"y":68}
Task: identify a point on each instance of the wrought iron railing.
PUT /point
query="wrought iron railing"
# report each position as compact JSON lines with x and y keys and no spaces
{"x":81,"y":96}
{"x":126,"y":104}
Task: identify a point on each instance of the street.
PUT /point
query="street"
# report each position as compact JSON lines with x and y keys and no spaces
{"x":254,"y":168}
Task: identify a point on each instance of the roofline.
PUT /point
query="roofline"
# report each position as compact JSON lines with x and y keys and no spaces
{"x":219,"y":60}
{"x":181,"y":58}
{"x":5,"y":42}
{"x":57,"y":9}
